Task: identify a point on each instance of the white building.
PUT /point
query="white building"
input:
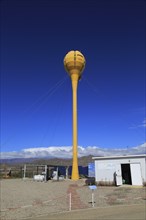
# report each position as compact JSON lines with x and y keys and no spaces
{"x":129,"y":169}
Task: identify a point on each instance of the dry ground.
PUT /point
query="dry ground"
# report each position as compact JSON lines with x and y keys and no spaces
{"x":122,"y":212}
{"x":25,"y":199}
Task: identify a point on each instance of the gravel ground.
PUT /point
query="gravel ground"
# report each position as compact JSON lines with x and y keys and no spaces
{"x":22,"y":199}
{"x":106,"y":196}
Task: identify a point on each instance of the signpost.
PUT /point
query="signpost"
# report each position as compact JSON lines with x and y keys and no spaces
{"x":93,"y":187}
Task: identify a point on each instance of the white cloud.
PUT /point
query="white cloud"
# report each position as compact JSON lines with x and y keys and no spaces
{"x":66,"y":151}
{"x":143,"y":124}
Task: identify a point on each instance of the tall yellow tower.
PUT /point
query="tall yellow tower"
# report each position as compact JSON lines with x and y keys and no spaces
{"x":74,"y":63}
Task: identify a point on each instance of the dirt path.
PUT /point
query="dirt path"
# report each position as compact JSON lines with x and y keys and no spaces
{"x":75,"y":198}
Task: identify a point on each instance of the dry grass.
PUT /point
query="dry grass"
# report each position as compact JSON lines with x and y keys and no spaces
{"x":105,"y":183}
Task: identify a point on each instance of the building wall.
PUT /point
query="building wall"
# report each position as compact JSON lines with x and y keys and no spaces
{"x":106,"y":168}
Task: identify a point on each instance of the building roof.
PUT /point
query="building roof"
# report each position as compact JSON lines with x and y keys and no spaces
{"x":120,"y":157}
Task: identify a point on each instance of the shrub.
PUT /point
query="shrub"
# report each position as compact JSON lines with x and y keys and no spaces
{"x":105,"y":183}
{"x":90,"y":181}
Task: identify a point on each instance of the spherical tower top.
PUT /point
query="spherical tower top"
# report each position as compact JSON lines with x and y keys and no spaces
{"x":74,"y":62}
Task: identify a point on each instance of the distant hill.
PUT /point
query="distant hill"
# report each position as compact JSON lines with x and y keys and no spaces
{"x":83,"y":161}
{"x":17,"y":160}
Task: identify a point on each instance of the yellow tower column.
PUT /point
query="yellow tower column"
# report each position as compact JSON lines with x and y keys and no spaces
{"x":74,"y":63}
{"x":75,"y":172}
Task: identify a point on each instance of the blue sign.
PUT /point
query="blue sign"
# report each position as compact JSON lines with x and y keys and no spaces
{"x":93,"y":187}
{"x":91,"y":169}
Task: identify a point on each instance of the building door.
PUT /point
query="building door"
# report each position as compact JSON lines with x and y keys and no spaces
{"x":126,"y":174}
{"x":136,"y":174}
{"x":118,"y":175}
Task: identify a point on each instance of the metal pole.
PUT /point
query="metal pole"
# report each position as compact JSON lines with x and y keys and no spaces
{"x":69,"y":201}
{"x":57,"y":175}
{"x":92,"y":198}
{"x":67,"y":172}
{"x":24,"y":171}
{"x":45,"y":173}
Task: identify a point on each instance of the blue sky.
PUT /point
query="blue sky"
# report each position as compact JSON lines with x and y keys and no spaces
{"x":36,"y":96}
